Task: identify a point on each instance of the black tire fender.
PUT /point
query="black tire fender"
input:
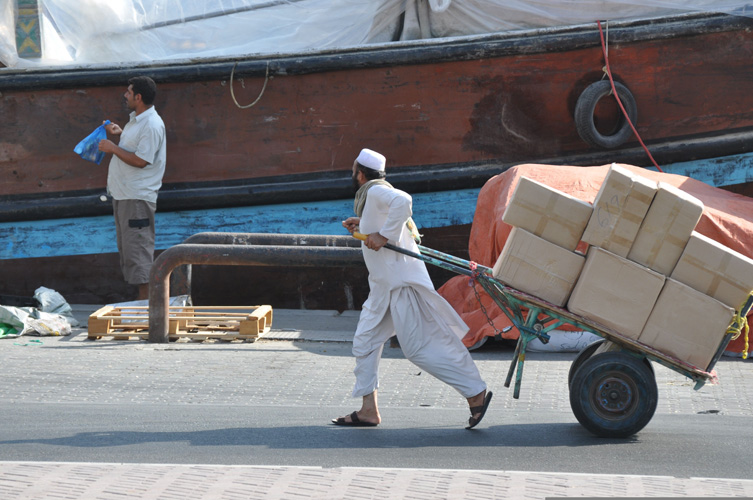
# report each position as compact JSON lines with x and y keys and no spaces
{"x":584,"y":115}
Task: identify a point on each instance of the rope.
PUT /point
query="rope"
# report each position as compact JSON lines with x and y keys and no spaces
{"x":472,"y":283}
{"x":608,"y":71}
{"x":266,"y":79}
{"x":739,"y":326}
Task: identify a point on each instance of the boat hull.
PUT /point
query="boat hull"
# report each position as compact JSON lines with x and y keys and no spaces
{"x":448,"y":115}
{"x":482,"y":103}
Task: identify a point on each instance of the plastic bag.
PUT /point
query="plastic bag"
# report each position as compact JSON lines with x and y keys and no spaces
{"x":7,"y":330}
{"x":14,"y":320}
{"x":52,"y":302}
{"x":44,"y":324}
{"x":17,"y":321}
{"x":88,"y":149}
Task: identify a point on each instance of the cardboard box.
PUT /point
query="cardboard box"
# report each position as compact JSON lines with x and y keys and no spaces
{"x":539,"y":267}
{"x":548,"y":213}
{"x":620,"y":205}
{"x":666,"y":229}
{"x":615,"y":292}
{"x":687,"y":324}
{"x":715,"y":270}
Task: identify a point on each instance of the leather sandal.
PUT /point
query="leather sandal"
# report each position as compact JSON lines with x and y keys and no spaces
{"x":354,"y":421}
{"x":473,"y":421}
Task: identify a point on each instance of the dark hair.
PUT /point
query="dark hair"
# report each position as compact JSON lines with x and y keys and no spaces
{"x":146,"y":87}
{"x":370,"y":173}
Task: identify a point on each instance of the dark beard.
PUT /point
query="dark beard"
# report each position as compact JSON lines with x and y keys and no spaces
{"x":356,"y":185}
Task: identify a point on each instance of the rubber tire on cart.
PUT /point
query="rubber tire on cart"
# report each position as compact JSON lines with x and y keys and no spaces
{"x":613,"y":394}
{"x":583,"y":355}
{"x":584,"y":115}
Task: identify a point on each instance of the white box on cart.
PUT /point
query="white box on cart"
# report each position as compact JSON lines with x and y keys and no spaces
{"x":619,"y":208}
{"x":716,"y":270}
{"x":666,"y":229}
{"x":687,"y":324}
{"x":538,"y":267}
{"x":615,"y":292}
{"x":548,"y":213}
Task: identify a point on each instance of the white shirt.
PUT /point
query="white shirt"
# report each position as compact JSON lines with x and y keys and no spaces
{"x":143,"y":135}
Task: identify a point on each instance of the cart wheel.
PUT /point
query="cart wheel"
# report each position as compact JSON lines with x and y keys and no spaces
{"x":613,"y":394}
{"x":583,"y":355}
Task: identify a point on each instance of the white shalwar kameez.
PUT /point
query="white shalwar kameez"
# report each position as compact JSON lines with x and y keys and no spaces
{"x":402,"y":300}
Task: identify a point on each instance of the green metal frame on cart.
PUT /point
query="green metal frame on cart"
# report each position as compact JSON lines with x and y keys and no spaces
{"x":543,"y":317}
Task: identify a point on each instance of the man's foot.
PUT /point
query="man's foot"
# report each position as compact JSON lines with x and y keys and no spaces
{"x":478,"y":410}
{"x":354,"y":420}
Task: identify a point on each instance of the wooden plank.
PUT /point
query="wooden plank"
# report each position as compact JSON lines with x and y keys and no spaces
{"x":211,"y":323}
{"x":258,"y":322}
{"x":98,"y":326}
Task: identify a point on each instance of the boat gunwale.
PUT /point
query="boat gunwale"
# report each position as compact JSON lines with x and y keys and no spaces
{"x":425,"y":51}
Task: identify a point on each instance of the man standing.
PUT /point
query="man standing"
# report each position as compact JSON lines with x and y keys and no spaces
{"x":133,"y":179}
{"x":402,"y":300}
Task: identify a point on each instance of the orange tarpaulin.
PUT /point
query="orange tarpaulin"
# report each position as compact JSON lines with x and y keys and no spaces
{"x":727,"y":218}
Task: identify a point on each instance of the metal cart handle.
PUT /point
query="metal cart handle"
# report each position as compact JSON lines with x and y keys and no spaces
{"x":444,"y":261}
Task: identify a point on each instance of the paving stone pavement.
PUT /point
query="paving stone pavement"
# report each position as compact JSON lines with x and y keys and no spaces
{"x":21,"y":480}
{"x":311,"y":373}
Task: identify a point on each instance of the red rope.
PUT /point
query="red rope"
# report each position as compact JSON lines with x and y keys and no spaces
{"x":475,"y":273}
{"x":619,"y":102}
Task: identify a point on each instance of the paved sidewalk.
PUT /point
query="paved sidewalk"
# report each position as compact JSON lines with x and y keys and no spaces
{"x":87,"y":481}
{"x":305,"y":336}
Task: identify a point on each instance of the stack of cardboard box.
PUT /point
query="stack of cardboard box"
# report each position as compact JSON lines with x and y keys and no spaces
{"x":539,"y":256}
{"x":646,"y":274}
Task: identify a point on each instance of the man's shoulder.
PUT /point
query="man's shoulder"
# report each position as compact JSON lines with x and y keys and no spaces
{"x":387,"y":190}
{"x":152,"y":118}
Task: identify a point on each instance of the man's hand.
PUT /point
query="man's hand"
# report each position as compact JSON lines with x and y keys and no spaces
{"x":113,"y":128}
{"x":375,"y":241}
{"x":107,"y":146}
{"x":351,"y":224}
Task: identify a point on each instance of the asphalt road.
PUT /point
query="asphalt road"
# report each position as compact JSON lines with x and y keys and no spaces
{"x":70,"y":400}
{"x":708,"y":445}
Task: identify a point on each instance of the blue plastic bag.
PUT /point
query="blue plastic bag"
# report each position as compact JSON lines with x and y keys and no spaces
{"x":88,"y":149}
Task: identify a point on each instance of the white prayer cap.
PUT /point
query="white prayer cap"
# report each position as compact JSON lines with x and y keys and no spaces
{"x":371,"y":159}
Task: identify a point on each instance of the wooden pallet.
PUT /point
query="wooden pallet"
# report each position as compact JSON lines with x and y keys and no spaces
{"x":193,"y":322}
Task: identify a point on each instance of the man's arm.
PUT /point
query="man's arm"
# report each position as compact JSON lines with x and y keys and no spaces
{"x":399,"y":209}
{"x":107,"y":146}
{"x":375,"y":241}
{"x":351,"y":224}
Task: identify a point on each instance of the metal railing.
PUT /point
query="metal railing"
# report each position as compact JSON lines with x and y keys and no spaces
{"x":242,"y":249}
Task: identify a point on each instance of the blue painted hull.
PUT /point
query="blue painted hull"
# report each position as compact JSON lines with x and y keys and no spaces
{"x":96,"y":235}
{"x":444,"y":209}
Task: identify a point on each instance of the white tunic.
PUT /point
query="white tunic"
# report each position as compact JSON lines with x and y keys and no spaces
{"x":402,"y":300}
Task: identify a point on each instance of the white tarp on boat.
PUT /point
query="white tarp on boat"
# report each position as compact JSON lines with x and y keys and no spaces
{"x":83,"y":32}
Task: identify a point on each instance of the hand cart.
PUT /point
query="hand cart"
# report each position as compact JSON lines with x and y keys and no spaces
{"x":613,"y":390}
